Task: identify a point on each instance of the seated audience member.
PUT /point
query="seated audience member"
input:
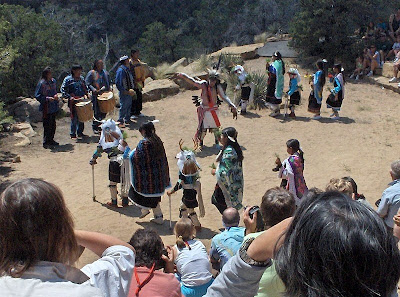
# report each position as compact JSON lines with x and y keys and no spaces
{"x":390,"y":200}
{"x":38,"y":246}
{"x":227,"y":243}
{"x":370,"y":31}
{"x":321,"y":251}
{"x":395,"y":50}
{"x":277,"y":205}
{"x":191,"y":259}
{"x":359,"y":71}
{"x":148,"y":280}
{"x":383,"y":44}
{"x":373,"y":60}
{"x":394,"y":24}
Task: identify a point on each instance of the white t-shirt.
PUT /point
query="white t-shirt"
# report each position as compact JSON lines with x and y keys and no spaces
{"x":108,"y":276}
{"x":193,"y":265}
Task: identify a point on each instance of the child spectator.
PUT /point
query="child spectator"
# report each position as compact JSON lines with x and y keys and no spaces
{"x":148,"y":280}
{"x":359,"y":71}
{"x":340,"y":185}
{"x":355,"y":196}
{"x":373,"y":60}
{"x":277,"y":204}
{"x":191,"y":259}
{"x":395,"y":49}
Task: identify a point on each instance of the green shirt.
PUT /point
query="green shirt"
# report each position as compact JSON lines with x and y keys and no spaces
{"x":270,"y":284}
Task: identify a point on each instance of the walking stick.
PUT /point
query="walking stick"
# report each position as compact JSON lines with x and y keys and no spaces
{"x":286,"y":105}
{"x":170,"y":213}
{"x":94,"y":196}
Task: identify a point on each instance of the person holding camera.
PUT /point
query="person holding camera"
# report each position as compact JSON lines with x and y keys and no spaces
{"x":277,"y":205}
{"x":228,"y":242}
{"x":148,"y":279}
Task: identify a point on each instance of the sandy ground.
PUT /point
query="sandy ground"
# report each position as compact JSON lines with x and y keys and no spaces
{"x":362,"y":144}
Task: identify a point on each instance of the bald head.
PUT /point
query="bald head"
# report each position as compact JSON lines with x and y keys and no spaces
{"x":231,"y":217}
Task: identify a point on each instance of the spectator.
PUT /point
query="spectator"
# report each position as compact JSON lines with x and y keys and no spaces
{"x":383,"y":44}
{"x":227,"y":243}
{"x":373,"y":60}
{"x":277,"y":205}
{"x":148,"y":280}
{"x":138,"y":73}
{"x":46,"y":94}
{"x":340,"y":185}
{"x":38,"y":247}
{"x":355,"y":196}
{"x":394,"y":24}
{"x":191,"y":259}
{"x":396,"y":67}
{"x":359,"y":71}
{"x":395,"y":49}
{"x":125,"y":85}
{"x":370,"y":31}
{"x":390,"y":201}
{"x":323,"y":252}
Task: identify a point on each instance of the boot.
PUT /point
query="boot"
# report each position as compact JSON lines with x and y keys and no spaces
{"x":114,"y":194}
{"x":195,"y":220}
{"x":125,"y":201}
{"x":158,"y":216}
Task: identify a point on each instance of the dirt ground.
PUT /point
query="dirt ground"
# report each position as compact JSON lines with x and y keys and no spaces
{"x":362,"y":145}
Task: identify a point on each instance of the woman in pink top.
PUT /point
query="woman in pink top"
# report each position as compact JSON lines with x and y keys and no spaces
{"x":148,"y":280}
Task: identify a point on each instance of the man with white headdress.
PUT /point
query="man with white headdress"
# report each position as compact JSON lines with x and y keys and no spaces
{"x":246,"y":87}
{"x":207,"y":106}
{"x":113,"y":144}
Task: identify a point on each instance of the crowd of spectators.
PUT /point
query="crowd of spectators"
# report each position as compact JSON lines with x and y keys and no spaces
{"x":319,"y":248}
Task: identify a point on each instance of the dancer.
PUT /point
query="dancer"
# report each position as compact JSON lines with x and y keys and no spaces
{"x":294,"y":90}
{"x":229,"y":188}
{"x":317,"y":86}
{"x":276,"y":79}
{"x":113,"y":144}
{"x":208,"y":105}
{"x":74,"y":89}
{"x":336,"y":97}
{"x":149,"y":173}
{"x":246,"y":87}
{"x":46,"y":94}
{"x":98,"y":81}
{"x":292,"y":169}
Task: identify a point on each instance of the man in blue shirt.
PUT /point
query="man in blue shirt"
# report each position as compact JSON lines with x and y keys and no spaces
{"x":227,"y":243}
{"x":74,"y":89}
{"x":125,"y":85}
{"x":390,"y":201}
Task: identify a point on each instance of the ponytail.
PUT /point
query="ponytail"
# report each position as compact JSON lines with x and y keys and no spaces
{"x":231,"y":133}
{"x":180,"y":243}
{"x":295,"y":145}
{"x":157,"y":145}
{"x":301,"y":154}
{"x":184,"y":231}
{"x":321,"y":66}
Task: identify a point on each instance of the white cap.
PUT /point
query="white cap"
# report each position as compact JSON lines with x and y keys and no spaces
{"x":123,"y":58}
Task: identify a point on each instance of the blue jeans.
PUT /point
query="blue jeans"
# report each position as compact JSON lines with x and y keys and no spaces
{"x":76,"y":126}
{"x":125,"y":102}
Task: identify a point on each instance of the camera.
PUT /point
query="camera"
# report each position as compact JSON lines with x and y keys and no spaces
{"x":260,"y":222}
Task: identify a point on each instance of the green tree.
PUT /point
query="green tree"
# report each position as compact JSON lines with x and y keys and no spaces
{"x":27,"y":43}
{"x":327,"y":28}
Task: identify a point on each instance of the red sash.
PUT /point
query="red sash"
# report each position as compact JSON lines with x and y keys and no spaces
{"x":211,"y":106}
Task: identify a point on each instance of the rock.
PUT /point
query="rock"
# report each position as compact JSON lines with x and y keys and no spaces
{"x":158,"y":89}
{"x":247,"y":52}
{"x":193,"y":71}
{"x":26,"y":110}
{"x":180,"y":63}
{"x":25,"y":141}
{"x":281,"y":46}
{"x":24,"y":128}
{"x":16,"y":159}
{"x":387,"y":69}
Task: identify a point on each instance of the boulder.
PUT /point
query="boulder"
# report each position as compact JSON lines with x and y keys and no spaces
{"x":26,"y":110}
{"x":158,"y":89}
{"x":387,"y":69}
{"x":247,"y":52}
{"x":24,"y":128}
{"x":180,"y":63}
{"x":24,"y":140}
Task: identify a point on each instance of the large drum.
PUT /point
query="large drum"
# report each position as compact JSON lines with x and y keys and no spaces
{"x":106,"y":102}
{"x":84,"y":111}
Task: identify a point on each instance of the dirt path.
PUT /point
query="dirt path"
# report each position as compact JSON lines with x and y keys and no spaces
{"x":361,"y":145}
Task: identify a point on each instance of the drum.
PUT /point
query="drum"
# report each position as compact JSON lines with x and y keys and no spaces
{"x":84,"y":111}
{"x":106,"y":102}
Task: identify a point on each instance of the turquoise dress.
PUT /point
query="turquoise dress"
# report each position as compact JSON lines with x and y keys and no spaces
{"x":280,"y":78}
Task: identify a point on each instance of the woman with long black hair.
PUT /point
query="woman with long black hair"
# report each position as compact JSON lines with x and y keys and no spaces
{"x":229,"y":188}
{"x":149,"y":173}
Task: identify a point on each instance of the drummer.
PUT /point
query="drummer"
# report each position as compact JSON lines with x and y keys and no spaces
{"x":98,"y":82}
{"x":74,"y":89}
{"x":137,"y":70}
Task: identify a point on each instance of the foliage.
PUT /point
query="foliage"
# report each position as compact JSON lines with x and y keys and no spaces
{"x":4,"y":117}
{"x":260,"y":80}
{"x":27,"y":43}
{"x":327,"y":28}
